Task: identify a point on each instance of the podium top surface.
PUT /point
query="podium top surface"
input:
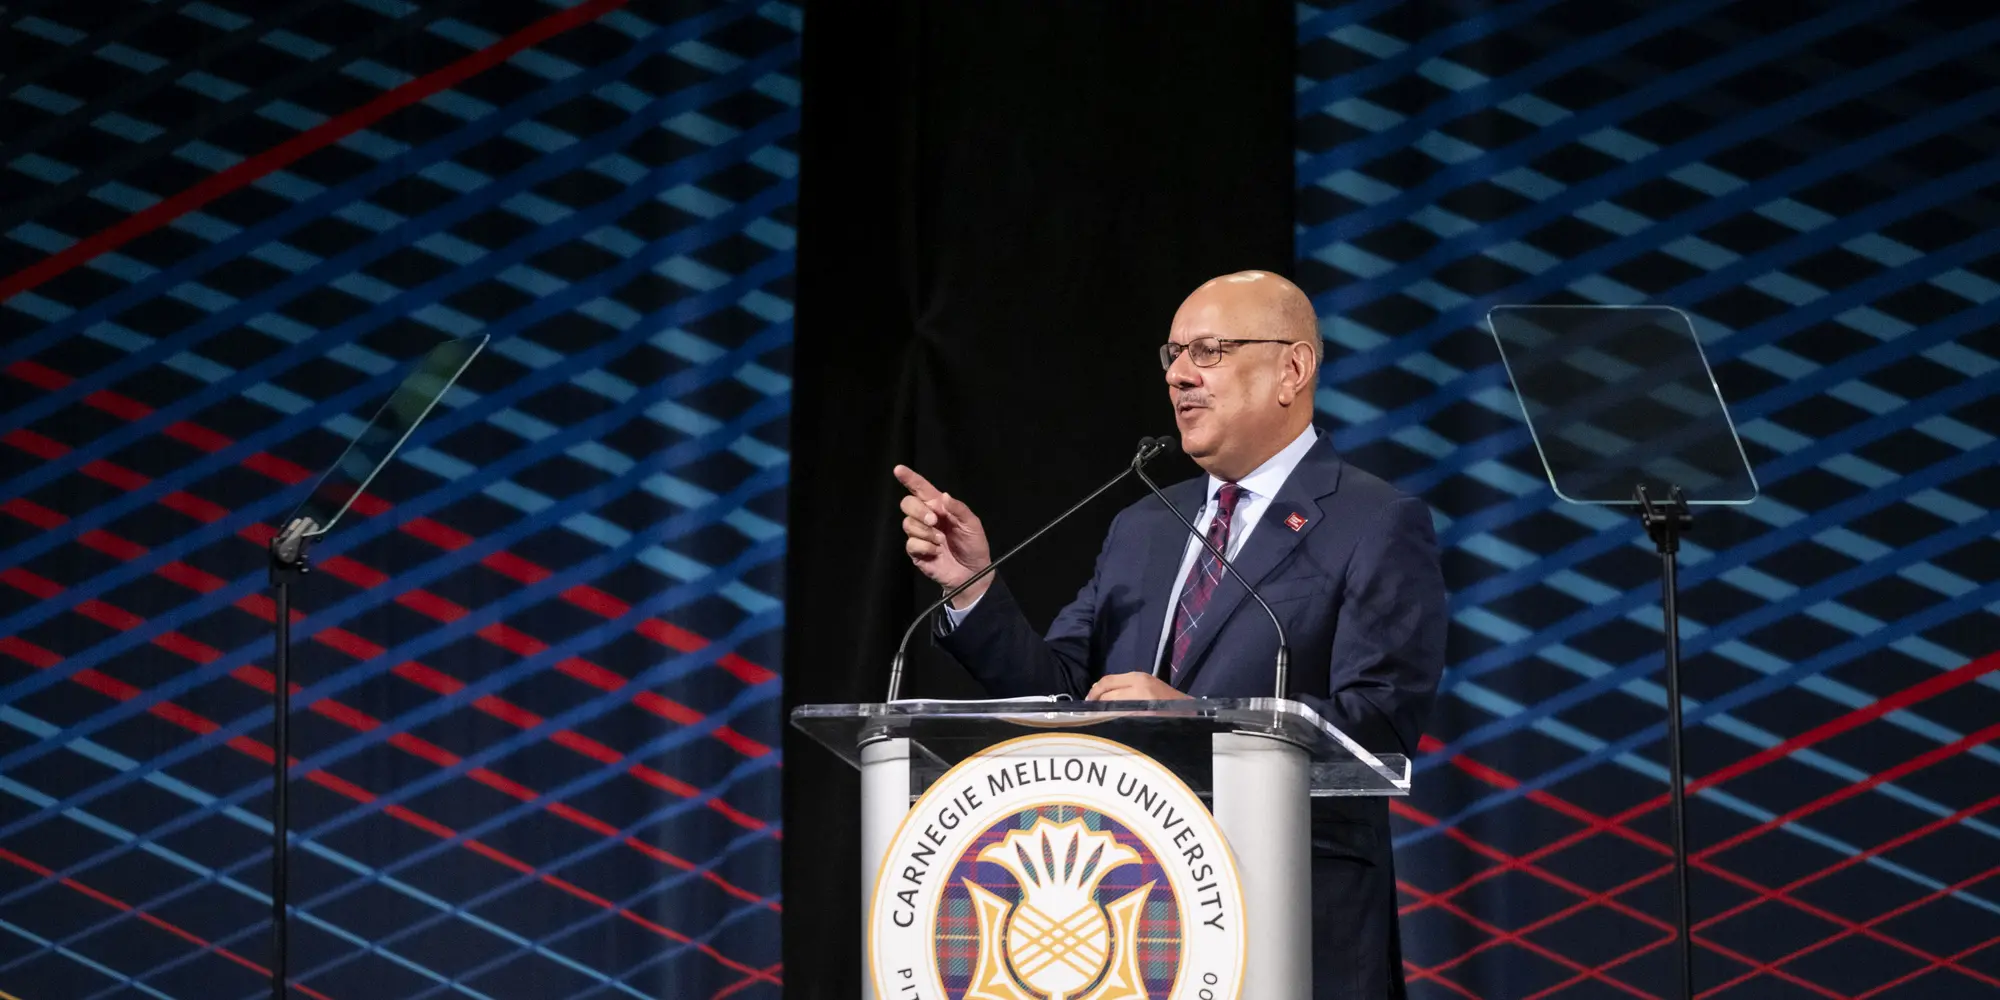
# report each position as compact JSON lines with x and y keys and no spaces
{"x":944,"y":732}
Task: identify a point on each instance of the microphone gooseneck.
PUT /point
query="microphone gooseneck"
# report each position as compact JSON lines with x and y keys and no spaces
{"x":1284,"y":649}
{"x":1149,"y":449}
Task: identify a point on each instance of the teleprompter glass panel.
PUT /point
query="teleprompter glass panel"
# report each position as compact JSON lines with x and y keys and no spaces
{"x":420,"y":390}
{"x":1619,"y":397}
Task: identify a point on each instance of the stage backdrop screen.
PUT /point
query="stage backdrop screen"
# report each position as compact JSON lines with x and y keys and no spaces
{"x":538,"y":663}
{"x":1817,"y":186}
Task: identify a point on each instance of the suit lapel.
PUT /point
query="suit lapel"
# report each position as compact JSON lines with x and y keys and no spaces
{"x":1317,"y":475}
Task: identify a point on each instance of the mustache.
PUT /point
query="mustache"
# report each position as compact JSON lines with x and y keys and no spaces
{"x":1190,"y":399}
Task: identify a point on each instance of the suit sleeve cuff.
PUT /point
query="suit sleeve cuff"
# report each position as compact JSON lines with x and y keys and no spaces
{"x":950,"y":618}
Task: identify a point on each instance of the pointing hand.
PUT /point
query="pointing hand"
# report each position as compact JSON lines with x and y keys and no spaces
{"x":944,"y":539}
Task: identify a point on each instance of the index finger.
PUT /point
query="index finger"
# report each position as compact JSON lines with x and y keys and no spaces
{"x":918,"y":486}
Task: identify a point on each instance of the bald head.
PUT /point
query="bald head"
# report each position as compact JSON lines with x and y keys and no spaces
{"x":1243,"y":401}
{"x":1274,"y":306}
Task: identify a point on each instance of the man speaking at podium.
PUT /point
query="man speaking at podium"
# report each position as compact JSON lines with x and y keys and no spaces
{"x":1348,"y":563}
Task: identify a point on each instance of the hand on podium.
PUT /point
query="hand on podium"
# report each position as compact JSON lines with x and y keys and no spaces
{"x":1133,"y":685}
{"x":945,"y":540}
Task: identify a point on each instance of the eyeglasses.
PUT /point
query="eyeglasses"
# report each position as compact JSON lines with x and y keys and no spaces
{"x":1205,"y":352}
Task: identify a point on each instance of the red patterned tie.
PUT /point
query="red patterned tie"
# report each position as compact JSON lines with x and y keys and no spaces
{"x":1201,"y":582}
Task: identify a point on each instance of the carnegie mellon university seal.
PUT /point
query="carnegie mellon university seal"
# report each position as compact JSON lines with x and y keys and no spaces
{"x":1057,"y":867}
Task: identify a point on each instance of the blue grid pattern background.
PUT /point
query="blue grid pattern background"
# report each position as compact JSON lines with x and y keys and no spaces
{"x":538,"y":711}
{"x":1819,"y":186}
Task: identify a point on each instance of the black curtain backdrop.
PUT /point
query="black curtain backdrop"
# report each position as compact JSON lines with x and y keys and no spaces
{"x":1001,"y":206}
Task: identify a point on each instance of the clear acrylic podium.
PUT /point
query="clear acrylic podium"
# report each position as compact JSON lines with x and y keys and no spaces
{"x":1256,"y":762}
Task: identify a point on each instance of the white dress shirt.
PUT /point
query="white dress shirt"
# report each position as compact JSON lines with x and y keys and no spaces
{"x":1258,"y":487}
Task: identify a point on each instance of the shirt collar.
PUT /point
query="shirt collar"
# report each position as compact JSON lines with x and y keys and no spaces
{"x":1265,"y":480}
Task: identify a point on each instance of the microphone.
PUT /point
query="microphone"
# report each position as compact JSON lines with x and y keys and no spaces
{"x":1284,"y":648}
{"x":1149,"y":449}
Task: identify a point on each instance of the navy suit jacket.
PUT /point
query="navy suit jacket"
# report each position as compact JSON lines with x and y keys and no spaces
{"x":1362,"y":597}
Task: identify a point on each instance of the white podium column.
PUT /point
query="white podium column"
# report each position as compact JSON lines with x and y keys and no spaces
{"x":1262,"y":788}
{"x":885,"y":800}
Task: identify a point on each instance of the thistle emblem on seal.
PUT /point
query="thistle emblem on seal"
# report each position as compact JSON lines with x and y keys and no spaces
{"x":1058,"y":942}
{"x":1057,"y":866}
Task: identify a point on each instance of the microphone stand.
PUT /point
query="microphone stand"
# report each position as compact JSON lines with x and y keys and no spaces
{"x":1284,"y":648}
{"x":288,"y":564}
{"x":1149,"y":449}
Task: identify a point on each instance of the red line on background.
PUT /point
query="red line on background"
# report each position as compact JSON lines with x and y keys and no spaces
{"x":291,"y":150}
{"x":1498,"y":778}
{"x":1962,"y":674}
{"x":44,"y":659}
{"x":1783,"y":893}
{"x":429,"y":678}
{"x":1513,"y":938}
{"x":746,"y":981}
{"x":1880,"y":918}
{"x":1735,"y":879}
{"x":505,"y":563}
{"x":1953,"y":959}
{"x":1920,"y":761}
{"x":1957,"y":676}
{"x":1606,"y":899}
{"x":422,"y":601}
{"x":49,"y":875}
{"x":1414,"y":973}
{"x":362,"y":722}
{"x":1843,"y":864}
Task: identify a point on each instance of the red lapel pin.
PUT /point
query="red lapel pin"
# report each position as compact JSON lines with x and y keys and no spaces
{"x":1295,"y":520}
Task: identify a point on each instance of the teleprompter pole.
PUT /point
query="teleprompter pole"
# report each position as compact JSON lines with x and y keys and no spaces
{"x":288,"y":563}
{"x":1665,"y":522}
